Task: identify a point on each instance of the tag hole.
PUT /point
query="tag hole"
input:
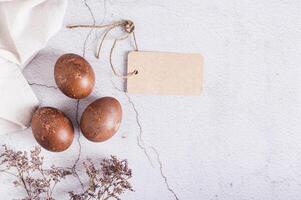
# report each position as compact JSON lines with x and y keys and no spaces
{"x":136,"y":72}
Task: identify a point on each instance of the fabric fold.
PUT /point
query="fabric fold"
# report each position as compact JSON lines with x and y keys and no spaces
{"x":18,"y":101}
{"x":26,"y":26}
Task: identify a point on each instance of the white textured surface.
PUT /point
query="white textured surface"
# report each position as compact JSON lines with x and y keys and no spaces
{"x":239,"y":140}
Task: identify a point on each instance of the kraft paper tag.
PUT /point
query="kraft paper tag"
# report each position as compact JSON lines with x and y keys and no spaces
{"x":165,"y":73}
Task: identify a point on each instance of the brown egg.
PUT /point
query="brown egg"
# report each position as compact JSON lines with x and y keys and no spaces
{"x":74,"y":76}
{"x":101,"y":119}
{"x":52,"y":129}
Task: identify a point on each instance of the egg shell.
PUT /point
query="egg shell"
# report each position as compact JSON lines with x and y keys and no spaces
{"x":52,"y":129}
{"x":74,"y":76}
{"x":101,"y":119}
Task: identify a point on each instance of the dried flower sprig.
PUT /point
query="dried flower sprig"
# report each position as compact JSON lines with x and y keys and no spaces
{"x":38,"y":182}
{"x":107,"y":181}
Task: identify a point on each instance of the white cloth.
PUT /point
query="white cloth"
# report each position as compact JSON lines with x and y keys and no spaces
{"x":25,"y":28}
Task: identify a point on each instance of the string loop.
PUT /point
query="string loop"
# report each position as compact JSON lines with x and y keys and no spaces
{"x":127,"y":26}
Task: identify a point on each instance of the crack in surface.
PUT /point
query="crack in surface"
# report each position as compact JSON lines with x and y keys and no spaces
{"x":140,"y":141}
{"x":144,"y":147}
{"x":163,"y":175}
{"x":105,"y":11}
{"x":90,"y":31}
{"x":42,"y":85}
{"x":78,"y":102}
{"x":79,"y":147}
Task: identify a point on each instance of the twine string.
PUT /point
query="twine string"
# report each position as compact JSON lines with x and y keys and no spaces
{"x":98,"y":49}
{"x":135,"y":41}
{"x":94,"y":26}
{"x":127,"y":26}
{"x":111,"y":60}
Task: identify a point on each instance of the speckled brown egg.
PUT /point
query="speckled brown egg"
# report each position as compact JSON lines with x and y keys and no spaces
{"x":52,"y":129}
{"x":101,"y":119}
{"x":74,"y":76}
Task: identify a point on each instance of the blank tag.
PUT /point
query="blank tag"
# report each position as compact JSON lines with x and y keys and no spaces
{"x":165,"y":73}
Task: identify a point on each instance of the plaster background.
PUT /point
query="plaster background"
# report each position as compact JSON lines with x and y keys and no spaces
{"x":239,"y":140}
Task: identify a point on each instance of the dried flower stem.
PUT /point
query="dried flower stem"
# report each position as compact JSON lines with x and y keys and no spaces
{"x":108,"y":180}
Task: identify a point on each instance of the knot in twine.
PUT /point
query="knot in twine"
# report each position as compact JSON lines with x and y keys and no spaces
{"x":128,"y":26}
